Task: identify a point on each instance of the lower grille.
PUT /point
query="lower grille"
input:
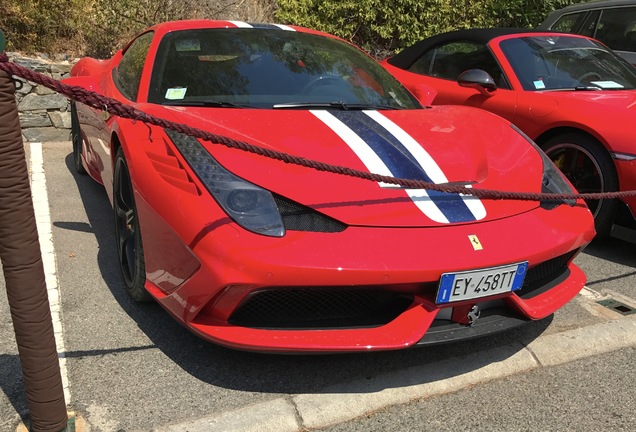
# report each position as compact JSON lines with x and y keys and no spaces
{"x":325,"y":307}
{"x":355,"y":307}
{"x":546,"y":275}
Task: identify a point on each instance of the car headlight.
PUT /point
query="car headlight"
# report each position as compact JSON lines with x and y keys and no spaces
{"x":250,"y":206}
{"x":552,"y":180}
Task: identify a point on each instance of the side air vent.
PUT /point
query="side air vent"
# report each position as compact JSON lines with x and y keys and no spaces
{"x":172,"y":172}
{"x":300,"y":218}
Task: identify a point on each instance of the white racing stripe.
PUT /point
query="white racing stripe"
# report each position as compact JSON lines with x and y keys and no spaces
{"x":241,"y":24}
{"x":43,"y":221}
{"x":421,"y":156}
{"x":375,"y":165}
{"x":368,"y":157}
{"x":284,"y":27}
{"x":428,"y":164}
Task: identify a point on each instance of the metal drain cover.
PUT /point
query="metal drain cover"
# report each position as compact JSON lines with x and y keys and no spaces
{"x":617,"y":306}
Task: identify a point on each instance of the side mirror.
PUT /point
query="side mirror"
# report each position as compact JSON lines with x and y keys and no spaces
{"x":479,"y":80}
{"x":425,"y":94}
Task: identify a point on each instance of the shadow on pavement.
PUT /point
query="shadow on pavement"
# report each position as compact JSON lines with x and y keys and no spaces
{"x":12,"y":384}
{"x":253,"y":372}
{"x":614,"y":250}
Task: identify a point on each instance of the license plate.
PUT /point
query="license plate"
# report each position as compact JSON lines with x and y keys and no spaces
{"x":479,"y":283}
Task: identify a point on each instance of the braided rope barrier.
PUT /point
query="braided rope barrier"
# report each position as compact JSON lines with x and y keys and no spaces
{"x":115,"y":107}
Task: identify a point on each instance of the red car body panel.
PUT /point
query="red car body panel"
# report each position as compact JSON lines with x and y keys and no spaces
{"x":201,"y":266}
{"x":603,"y":114}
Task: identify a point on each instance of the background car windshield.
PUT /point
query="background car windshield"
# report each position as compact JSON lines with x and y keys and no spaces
{"x":561,"y":62}
{"x":263,"y":68}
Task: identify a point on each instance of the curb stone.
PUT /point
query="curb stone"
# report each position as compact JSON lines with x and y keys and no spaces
{"x":278,"y":415}
{"x":347,"y":401}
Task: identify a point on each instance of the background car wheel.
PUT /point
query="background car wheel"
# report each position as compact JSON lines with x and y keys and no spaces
{"x":128,"y":234}
{"x":590,"y":168}
{"x":77,"y":140}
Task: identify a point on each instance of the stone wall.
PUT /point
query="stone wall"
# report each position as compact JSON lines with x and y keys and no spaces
{"x":44,"y":114}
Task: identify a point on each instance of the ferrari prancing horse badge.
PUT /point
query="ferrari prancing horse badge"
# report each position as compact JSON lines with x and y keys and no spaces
{"x":475,"y":242}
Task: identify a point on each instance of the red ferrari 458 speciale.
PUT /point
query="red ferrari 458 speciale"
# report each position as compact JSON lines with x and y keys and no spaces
{"x":256,"y":254}
{"x":570,"y":94}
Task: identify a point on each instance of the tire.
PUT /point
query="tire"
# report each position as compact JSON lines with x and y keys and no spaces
{"x":589,"y":167}
{"x":128,"y":233}
{"x":77,"y":140}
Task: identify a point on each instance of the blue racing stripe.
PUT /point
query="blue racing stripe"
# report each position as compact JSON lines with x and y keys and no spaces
{"x":401,"y":162}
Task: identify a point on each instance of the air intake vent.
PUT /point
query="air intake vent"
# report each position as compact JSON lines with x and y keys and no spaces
{"x":544,"y":276}
{"x":320,"y":307}
{"x":300,"y":218}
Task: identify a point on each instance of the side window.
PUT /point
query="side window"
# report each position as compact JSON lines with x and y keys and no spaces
{"x":589,"y":26}
{"x":131,"y":65}
{"x":450,"y":60}
{"x":616,"y":28}
{"x":423,"y":64}
{"x":569,"y":23}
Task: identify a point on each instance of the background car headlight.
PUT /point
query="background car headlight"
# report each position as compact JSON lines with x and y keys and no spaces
{"x":552,"y":180}
{"x":250,"y":206}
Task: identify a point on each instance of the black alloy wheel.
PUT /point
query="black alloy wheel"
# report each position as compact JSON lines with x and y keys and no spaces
{"x":78,"y":141}
{"x":128,"y":233}
{"x":589,"y":167}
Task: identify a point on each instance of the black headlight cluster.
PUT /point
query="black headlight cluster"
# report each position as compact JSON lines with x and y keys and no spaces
{"x":250,"y":206}
{"x":552,"y":181}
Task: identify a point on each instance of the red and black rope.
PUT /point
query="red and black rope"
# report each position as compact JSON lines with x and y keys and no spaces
{"x":117,"y":108}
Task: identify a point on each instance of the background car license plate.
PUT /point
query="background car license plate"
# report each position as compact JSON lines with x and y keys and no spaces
{"x":480,"y":283}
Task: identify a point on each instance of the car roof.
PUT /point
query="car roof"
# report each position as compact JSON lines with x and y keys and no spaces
{"x":409,"y":55}
{"x":596,"y":5}
{"x":166,"y":27}
{"x":582,"y":7}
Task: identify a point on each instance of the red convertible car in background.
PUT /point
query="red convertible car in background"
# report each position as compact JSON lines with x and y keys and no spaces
{"x":256,"y":254}
{"x":570,"y":94}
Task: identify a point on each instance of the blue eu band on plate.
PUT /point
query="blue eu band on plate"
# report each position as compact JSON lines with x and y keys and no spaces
{"x":472,"y":284}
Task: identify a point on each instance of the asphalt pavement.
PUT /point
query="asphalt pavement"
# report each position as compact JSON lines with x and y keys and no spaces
{"x":591,"y":394}
{"x":132,"y":368}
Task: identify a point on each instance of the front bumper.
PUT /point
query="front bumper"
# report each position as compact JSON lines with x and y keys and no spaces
{"x":408,"y":262}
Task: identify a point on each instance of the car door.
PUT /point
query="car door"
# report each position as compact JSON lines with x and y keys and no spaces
{"x":443,"y":64}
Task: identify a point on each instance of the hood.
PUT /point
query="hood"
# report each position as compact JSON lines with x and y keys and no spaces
{"x":441,"y":144}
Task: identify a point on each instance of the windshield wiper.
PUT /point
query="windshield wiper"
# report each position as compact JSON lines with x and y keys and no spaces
{"x":218,"y":104}
{"x":575,"y":88}
{"x":588,"y":88}
{"x":340,"y":105}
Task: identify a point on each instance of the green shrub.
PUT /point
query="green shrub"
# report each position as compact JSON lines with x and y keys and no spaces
{"x":43,"y":25}
{"x":99,"y":27}
{"x":382,"y":27}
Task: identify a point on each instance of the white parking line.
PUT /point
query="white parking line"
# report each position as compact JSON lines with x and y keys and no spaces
{"x":43,"y":221}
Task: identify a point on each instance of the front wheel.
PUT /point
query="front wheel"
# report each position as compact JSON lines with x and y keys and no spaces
{"x":129,"y":246}
{"x":77,"y":140}
{"x":589,"y":167}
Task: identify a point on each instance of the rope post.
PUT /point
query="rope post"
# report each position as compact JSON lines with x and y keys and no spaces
{"x":24,"y":273}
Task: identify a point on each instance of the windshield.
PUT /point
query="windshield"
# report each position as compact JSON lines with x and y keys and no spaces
{"x":269,"y":68}
{"x":565,"y":62}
